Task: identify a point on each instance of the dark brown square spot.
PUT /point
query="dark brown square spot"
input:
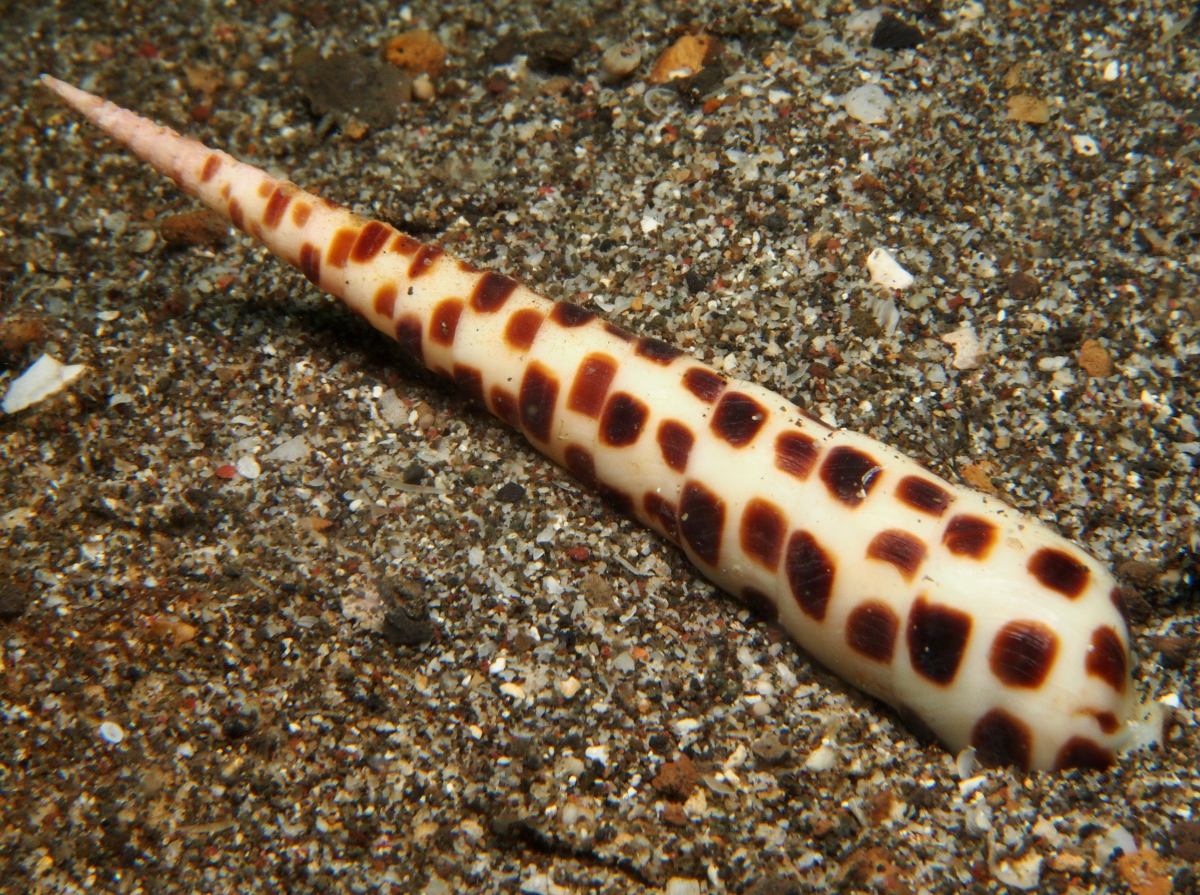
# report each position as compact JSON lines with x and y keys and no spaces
{"x":810,"y":573}
{"x":969,"y":536}
{"x":1023,"y":653}
{"x":1001,"y":740}
{"x":657,"y":351}
{"x":871,"y":631}
{"x":762,"y":532}
{"x":675,"y":440}
{"x":623,"y":419}
{"x":491,"y":292}
{"x":738,"y":418}
{"x":536,"y":401}
{"x":796,"y":454}
{"x":904,"y":551}
{"x":937,"y":638}
{"x":704,"y":384}
{"x":590,"y":387}
{"x":849,"y":474}
{"x":702,"y":521}
{"x":923,"y":495}
{"x":1059,"y":571}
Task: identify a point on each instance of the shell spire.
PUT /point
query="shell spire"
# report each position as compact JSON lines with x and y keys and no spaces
{"x":975,"y":622}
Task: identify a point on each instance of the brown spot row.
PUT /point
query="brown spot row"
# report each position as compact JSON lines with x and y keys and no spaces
{"x":591,"y":384}
{"x":212,"y":165}
{"x":796,"y":454}
{"x":904,"y":551}
{"x":236,"y":215}
{"x":470,"y":380}
{"x":582,"y":464}
{"x":405,"y":245}
{"x":522,"y":327}
{"x":264,"y":188}
{"x":871,"y":630}
{"x":385,"y":300}
{"x":504,"y":405}
{"x":371,"y":240}
{"x":849,"y":474}
{"x":762,"y":532}
{"x":444,"y":322}
{"x":664,"y":511}
{"x":616,"y":498}
{"x":1106,"y":658}
{"x":937,"y":638}
{"x":760,"y":604}
{"x":1001,"y":739}
{"x":409,"y":335}
{"x":623,"y":419}
{"x":623,"y":334}
{"x":1023,"y":653}
{"x":657,"y":351}
{"x":969,"y":536}
{"x":702,"y":521}
{"x":570,"y":316}
{"x":424,"y":260}
{"x":339,"y":247}
{"x":810,"y":572}
{"x":300,"y":214}
{"x":704,"y":384}
{"x":923,"y":495}
{"x":675,"y":440}
{"x":310,"y":263}
{"x":1080,"y":752}
{"x":276,"y":206}
{"x":538,"y":395}
{"x":491,"y":292}
{"x":1059,"y":571}
{"x":738,"y":418}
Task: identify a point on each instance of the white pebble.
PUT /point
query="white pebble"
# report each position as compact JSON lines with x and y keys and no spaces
{"x":677,"y":885}
{"x":513,"y":690}
{"x":886,"y":271}
{"x":822,"y":758}
{"x":144,"y":241}
{"x":868,"y":104}
{"x":569,"y":687}
{"x":597,"y":753}
{"x":44,"y":378}
{"x":968,"y":350}
{"x":111,"y":733}
{"x":1084,"y":144}
{"x":1112,"y":70}
{"x":248,"y":467}
{"x":619,"y":62}
{"x":291,"y":450}
{"x":1116,"y":839}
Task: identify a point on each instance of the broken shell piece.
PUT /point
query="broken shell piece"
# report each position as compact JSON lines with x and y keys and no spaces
{"x":619,"y":62}
{"x":46,"y":377}
{"x":684,"y":58}
{"x":886,"y":272}
{"x":968,"y":349}
{"x":868,"y":104}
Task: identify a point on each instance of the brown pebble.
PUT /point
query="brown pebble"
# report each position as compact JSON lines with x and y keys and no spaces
{"x":979,"y":475}
{"x":684,"y":58}
{"x":417,"y":52}
{"x":676,"y":780}
{"x":1094,"y":359}
{"x":673,"y":814}
{"x":16,"y":333}
{"x":1175,"y":650}
{"x":1138,"y":571}
{"x":1030,"y":109}
{"x":1145,"y":873}
{"x":1023,"y":286}
{"x":193,"y":228}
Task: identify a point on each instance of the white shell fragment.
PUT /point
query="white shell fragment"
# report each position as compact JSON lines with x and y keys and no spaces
{"x":1084,"y":144}
{"x":868,"y":104}
{"x":46,"y":377}
{"x":968,"y":349}
{"x":111,"y":733}
{"x":886,"y":271}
